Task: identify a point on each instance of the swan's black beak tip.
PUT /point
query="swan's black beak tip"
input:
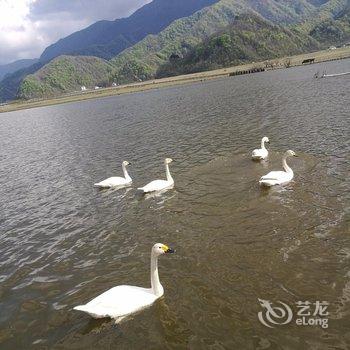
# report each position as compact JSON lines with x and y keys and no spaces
{"x":170,"y":251}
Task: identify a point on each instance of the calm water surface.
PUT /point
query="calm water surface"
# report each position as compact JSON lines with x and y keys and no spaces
{"x":63,"y":242}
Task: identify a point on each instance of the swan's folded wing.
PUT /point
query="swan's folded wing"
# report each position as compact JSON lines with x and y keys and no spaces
{"x":155,"y":185}
{"x":273,"y":175}
{"x":256,"y":153}
{"x":119,"y":301}
{"x":112,"y":181}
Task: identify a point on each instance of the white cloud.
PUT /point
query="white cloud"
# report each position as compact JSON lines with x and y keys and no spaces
{"x":27,"y":27}
{"x":18,"y":37}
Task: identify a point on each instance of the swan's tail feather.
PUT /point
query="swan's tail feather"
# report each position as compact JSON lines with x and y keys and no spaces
{"x":80,"y":308}
{"x":100,"y":185}
{"x":268,"y":182}
{"x":93,"y":313}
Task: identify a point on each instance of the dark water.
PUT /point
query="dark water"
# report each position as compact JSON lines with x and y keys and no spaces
{"x":63,"y":242}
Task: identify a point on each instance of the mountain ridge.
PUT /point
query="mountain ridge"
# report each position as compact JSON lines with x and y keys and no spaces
{"x":122,"y":33}
{"x":15,"y":66}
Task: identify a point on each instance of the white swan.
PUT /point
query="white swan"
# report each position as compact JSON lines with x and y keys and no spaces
{"x":116,"y":181}
{"x":121,"y":301}
{"x":159,"y":185}
{"x":262,"y":152}
{"x":279,"y":177}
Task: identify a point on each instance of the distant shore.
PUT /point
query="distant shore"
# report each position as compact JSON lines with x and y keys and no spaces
{"x":278,"y":63}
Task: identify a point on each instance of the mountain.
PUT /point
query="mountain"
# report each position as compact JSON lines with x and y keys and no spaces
{"x":150,"y":57}
{"x":249,"y":38}
{"x":106,"y":39}
{"x":144,"y":59}
{"x":14,"y":66}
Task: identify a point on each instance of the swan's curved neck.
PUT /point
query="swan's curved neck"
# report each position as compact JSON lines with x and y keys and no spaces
{"x":285,"y":165}
{"x":157,"y":288}
{"x":126,"y":175}
{"x":168,"y":175}
{"x":263,"y":144}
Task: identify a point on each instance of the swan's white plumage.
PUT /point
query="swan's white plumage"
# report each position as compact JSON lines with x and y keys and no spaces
{"x":116,"y":181}
{"x":160,"y":185}
{"x":121,"y":301}
{"x":275,"y":178}
{"x":112,"y":182}
{"x":157,"y":185}
{"x":261,"y":153}
{"x":279,"y":177}
{"x":109,"y":304}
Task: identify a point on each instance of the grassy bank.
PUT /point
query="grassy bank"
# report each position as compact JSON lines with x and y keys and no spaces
{"x":292,"y":61}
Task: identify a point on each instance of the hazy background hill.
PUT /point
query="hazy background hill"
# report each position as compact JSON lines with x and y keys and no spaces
{"x":15,"y":66}
{"x":246,"y":30}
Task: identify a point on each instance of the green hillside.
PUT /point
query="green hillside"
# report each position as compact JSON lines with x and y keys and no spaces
{"x":64,"y":74}
{"x":143,"y":60}
{"x":333,"y":31}
{"x":250,"y":38}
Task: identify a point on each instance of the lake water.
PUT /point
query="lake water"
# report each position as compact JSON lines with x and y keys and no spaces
{"x":63,"y":242}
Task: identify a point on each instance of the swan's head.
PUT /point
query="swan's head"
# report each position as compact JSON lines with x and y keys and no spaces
{"x":159,"y":249}
{"x":265,"y":139}
{"x":168,"y":160}
{"x":125,"y":163}
{"x":291,"y":154}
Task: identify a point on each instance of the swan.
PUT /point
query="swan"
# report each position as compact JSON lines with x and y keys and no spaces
{"x":159,"y":185}
{"x":262,"y":152}
{"x":121,"y":301}
{"x":279,"y":177}
{"x":117,"y":181}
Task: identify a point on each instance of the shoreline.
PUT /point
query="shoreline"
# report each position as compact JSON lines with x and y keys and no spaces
{"x":267,"y":65}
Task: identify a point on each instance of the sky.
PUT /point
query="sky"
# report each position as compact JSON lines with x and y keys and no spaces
{"x":27,"y":27}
